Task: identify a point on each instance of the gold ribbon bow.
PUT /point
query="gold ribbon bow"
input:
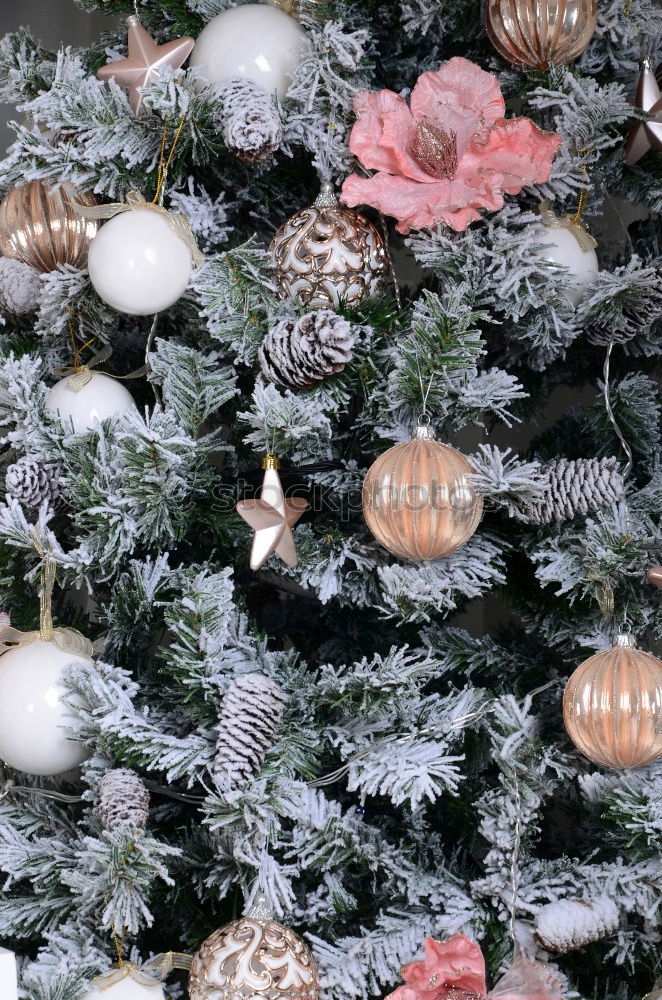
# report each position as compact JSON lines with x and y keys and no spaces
{"x":81,"y":375}
{"x":150,"y":974}
{"x":549,"y":218}
{"x":67,"y":639}
{"x":178,"y":224}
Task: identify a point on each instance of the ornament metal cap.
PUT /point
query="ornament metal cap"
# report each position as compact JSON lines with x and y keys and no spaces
{"x":261,"y":909}
{"x":327,"y":196}
{"x":131,"y":20}
{"x":271,"y":461}
{"x":625,"y":639}
{"x":424,"y":431}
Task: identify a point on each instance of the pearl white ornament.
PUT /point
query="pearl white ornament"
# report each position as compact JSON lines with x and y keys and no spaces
{"x":254,"y":40}
{"x":32,"y":717}
{"x":137,"y":264}
{"x":127,"y":989}
{"x":101,"y":398}
{"x":561,"y":247}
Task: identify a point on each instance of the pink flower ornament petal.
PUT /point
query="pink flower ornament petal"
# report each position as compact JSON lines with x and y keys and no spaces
{"x":459,"y":96}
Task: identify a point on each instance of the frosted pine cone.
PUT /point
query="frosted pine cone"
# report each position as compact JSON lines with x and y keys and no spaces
{"x":577,"y":486}
{"x":249,"y":717}
{"x":20,"y":287}
{"x":252,"y":128}
{"x":124,"y":800}
{"x":298,"y":353}
{"x":31,"y":483}
{"x":573,"y":923}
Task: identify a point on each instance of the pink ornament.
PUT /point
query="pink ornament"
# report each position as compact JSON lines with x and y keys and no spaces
{"x":455,"y":970}
{"x":447,"y":153}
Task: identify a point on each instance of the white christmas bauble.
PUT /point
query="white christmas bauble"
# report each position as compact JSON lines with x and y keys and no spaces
{"x":127,"y":989}
{"x":561,"y":247}
{"x":32,"y":716}
{"x":101,"y":398}
{"x":137,"y":264}
{"x":254,"y":40}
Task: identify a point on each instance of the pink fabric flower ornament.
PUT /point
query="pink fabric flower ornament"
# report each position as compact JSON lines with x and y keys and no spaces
{"x":455,"y":970}
{"x":447,"y":153}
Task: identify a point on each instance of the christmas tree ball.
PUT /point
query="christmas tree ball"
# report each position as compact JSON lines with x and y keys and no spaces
{"x":100,"y":398}
{"x":32,"y":715}
{"x":612,"y":706}
{"x":40,"y":226}
{"x":137,"y":264}
{"x":418,"y":500}
{"x":570,"y":246}
{"x":328,"y":255}
{"x":127,"y":989}
{"x":254,"y":957}
{"x":253,"y":40}
{"x":537,"y":33}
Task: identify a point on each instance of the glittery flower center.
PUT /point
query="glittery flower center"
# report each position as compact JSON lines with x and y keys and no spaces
{"x":435,"y":150}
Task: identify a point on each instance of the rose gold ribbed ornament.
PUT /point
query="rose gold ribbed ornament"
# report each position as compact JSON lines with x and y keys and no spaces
{"x":612,"y":706}
{"x":539,"y":32}
{"x":254,"y":958}
{"x":39,"y":225}
{"x":417,"y":499}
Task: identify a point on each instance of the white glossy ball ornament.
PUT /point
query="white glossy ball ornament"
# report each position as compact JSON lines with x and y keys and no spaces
{"x":101,"y":398}
{"x":32,"y":715}
{"x":127,"y":989}
{"x":561,"y":246}
{"x":254,"y":40}
{"x":137,"y":264}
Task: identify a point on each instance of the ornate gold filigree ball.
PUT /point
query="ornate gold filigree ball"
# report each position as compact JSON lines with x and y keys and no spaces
{"x":254,"y":958}
{"x":328,"y":255}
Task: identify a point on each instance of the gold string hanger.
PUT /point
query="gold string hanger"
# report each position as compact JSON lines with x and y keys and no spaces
{"x":583,"y":196}
{"x":162,"y":171}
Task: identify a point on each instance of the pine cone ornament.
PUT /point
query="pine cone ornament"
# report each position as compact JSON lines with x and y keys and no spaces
{"x":124,"y":800}
{"x":573,"y":923}
{"x":249,"y":717}
{"x":577,"y":486}
{"x":30,"y":482}
{"x":299,"y":352}
{"x":252,"y":128}
{"x":20,"y":287}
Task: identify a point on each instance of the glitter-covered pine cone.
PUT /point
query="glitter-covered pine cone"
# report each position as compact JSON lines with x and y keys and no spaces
{"x":573,"y":923}
{"x":123,"y":800}
{"x":252,"y":128}
{"x":30,"y":482}
{"x":299,"y":352}
{"x":250,"y":715}
{"x":577,"y":487}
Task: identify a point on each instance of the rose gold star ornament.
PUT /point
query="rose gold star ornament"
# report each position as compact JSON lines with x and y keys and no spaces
{"x":145,"y":61}
{"x":272,"y":518}
{"x":646,"y":135}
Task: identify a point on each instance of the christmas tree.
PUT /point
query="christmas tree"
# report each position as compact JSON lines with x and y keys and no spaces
{"x":235,"y":275}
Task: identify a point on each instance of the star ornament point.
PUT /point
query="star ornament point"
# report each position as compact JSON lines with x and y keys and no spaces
{"x":145,"y":61}
{"x":272,"y":517}
{"x":646,"y":135}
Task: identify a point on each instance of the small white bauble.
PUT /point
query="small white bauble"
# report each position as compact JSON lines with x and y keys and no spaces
{"x":254,"y":40}
{"x":127,"y":989}
{"x":137,"y":264}
{"x":32,"y":716}
{"x":101,"y":398}
{"x":561,"y":247}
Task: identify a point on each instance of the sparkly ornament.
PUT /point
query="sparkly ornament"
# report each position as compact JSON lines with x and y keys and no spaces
{"x":33,"y":716}
{"x":145,"y":61}
{"x":253,"y":40}
{"x":327,"y":254}
{"x":564,"y":240}
{"x":81,"y":404}
{"x":536,"y":33}
{"x":646,"y":135}
{"x":40,"y":226}
{"x":654,"y":575}
{"x":612,"y":706}
{"x":251,"y":958}
{"x":573,"y":923}
{"x":417,"y":499}
{"x":272,"y":517}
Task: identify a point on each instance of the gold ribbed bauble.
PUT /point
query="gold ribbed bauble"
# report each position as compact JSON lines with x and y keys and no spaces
{"x":417,"y":499}
{"x":539,"y":32}
{"x":612,"y":706}
{"x":39,"y":225}
{"x":254,"y":958}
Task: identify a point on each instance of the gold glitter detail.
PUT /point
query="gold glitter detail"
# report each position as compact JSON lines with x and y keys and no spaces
{"x":435,"y":150}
